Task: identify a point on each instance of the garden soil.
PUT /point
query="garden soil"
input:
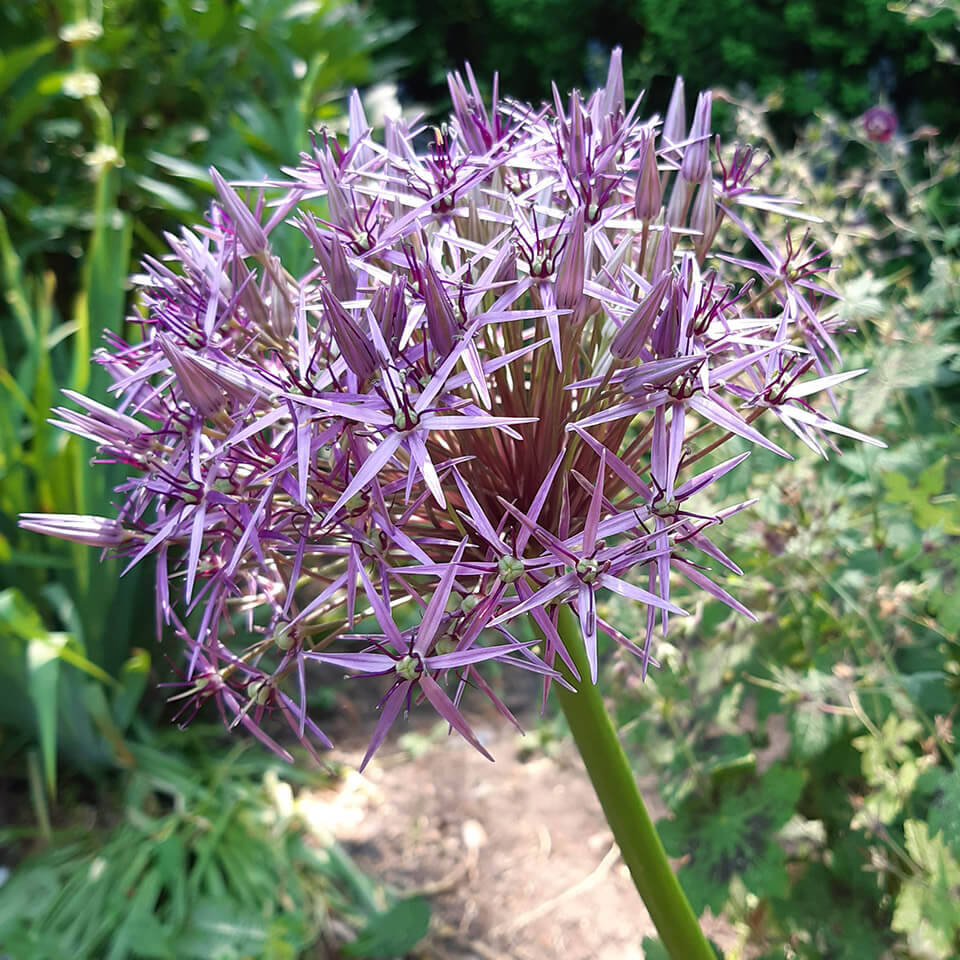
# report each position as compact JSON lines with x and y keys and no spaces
{"x":514,"y":856}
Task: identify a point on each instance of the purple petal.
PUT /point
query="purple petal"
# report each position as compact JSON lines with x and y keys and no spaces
{"x":388,"y":713}
{"x":444,"y":706}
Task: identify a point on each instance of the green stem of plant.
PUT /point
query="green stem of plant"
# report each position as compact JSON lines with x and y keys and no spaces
{"x":623,"y":806}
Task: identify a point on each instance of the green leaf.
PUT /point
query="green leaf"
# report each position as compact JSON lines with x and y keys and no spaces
{"x":733,"y":834}
{"x":43,"y":672}
{"x":393,"y":933}
{"x":181,"y":168}
{"x":890,"y":766}
{"x":946,"y":608}
{"x":132,"y":683}
{"x":221,"y":930}
{"x":944,"y":815}
{"x":19,"y":60}
{"x":928,"y":905}
{"x":653,"y":949}
{"x":168,"y":195}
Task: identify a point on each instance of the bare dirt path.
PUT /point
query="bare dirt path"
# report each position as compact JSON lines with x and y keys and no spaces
{"x":515,"y":856}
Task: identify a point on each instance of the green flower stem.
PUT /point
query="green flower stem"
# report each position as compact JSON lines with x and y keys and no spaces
{"x":623,"y":806}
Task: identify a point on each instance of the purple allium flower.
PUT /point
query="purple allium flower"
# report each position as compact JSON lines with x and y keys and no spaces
{"x":487,"y":397}
{"x":879,"y":124}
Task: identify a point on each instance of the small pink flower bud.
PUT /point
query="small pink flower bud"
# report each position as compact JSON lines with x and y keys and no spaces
{"x":879,"y":124}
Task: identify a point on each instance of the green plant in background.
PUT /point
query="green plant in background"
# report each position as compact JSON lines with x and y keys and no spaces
{"x":809,"y":762}
{"x":110,"y":114}
{"x":213,"y":859}
{"x":64,"y":628}
{"x":161,"y":89}
{"x":806,"y":54}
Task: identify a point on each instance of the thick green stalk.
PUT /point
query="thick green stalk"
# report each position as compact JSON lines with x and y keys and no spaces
{"x":623,"y":806}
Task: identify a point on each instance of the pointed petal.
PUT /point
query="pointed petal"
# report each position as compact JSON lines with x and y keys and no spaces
{"x":637,"y":593}
{"x":368,"y":470}
{"x":593,"y":512}
{"x":729,"y":420}
{"x":388,"y":713}
{"x":587,"y":613}
{"x":438,"y":604}
{"x":444,"y":706}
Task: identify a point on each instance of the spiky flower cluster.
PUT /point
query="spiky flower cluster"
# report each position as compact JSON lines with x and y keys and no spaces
{"x":490,"y":396}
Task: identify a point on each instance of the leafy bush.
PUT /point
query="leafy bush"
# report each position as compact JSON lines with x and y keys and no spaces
{"x":810,"y":53}
{"x":160,"y":90}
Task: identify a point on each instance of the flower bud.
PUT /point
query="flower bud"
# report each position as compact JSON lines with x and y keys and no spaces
{"x":613,"y":100}
{"x":577,"y":140}
{"x":354,"y":344}
{"x":251,"y":299}
{"x":248,"y":229}
{"x":475,"y":126}
{"x":332,"y":258}
{"x":570,"y":273}
{"x":259,"y":691}
{"x":649,"y":196}
{"x":283,"y":314}
{"x":441,"y":319}
{"x":696,"y":155}
{"x":408,"y":667}
{"x":89,"y":530}
{"x":879,"y":124}
{"x":675,"y":124}
{"x":631,"y":337}
{"x":201,"y":392}
{"x":510,"y":569}
{"x":663,"y":258}
{"x":446,"y":644}
{"x":389,"y":307}
{"x":469,"y":603}
{"x":704,"y":215}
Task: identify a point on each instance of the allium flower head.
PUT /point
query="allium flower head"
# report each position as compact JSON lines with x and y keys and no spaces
{"x":492,"y":394}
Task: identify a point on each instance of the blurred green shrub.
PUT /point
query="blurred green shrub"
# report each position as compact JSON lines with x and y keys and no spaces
{"x":65,"y":628}
{"x":110,"y":114}
{"x":809,"y":759}
{"x":212,"y":857}
{"x":159,"y":87}
{"x":809,"y":53}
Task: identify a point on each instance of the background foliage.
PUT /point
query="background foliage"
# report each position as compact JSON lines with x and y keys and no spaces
{"x":806,"y":52}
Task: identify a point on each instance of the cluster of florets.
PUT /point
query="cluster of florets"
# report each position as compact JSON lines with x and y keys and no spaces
{"x":492,"y":395}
